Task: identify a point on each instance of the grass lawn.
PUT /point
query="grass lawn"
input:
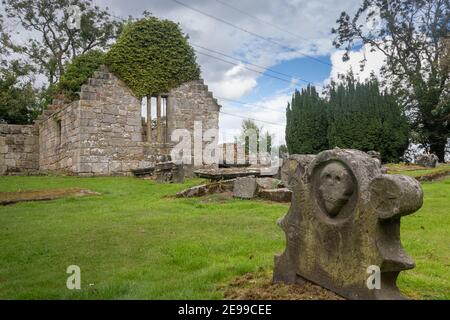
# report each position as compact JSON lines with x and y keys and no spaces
{"x":135,"y":241}
{"x":416,"y":171}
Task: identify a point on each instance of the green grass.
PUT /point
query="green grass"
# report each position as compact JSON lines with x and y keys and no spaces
{"x":135,"y":241}
{"x":405,"y":170}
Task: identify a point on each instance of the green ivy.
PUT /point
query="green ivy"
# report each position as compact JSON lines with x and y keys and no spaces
{"x":78,"y":72}
{"x":152,"y":56}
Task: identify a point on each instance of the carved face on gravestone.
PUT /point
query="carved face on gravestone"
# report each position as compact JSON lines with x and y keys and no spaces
{"x":336,"y":186}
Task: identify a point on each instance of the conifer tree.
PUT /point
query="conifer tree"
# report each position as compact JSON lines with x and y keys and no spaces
{"x":306,"y":129}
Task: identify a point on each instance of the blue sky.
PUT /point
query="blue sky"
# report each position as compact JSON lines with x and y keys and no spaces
{"x":302,"y":68}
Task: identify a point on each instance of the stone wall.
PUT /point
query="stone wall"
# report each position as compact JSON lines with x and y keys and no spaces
{"x":111,"y":132}
{"x":59,"y":138}
{"x":189,"y":103}
{"x":102,"y":133}
{"x":19,"y":153}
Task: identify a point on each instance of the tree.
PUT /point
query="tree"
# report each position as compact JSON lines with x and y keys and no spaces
{"x":413,"y":36}
{"x":306,"y":123}
{"x":249,"y":135}
{"x":354,"y":115}
{"x":249,"y":131}
{"x":53,"y":42}
{"x":18,"y":98}
{"x":361,"y":117}
{"x":283,"y":149}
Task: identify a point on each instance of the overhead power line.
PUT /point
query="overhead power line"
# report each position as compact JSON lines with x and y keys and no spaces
{"x":244,"y":66}
{"x":255,"y":65}
{"x":249,"y":32}
{"x":273,"y":25}
{"x":249,"y":104}
{"x":292,"y":77}
{"x":244,"y":117}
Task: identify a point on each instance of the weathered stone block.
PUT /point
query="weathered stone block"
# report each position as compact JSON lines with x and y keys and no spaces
{"x":245,"y":187}
{"x":85,"y":167}
{"x":205,"y":189}
{"x":427,"y":160}
{"x":277,"y":195}
{"x":100,"y":167}
{"x":268,"y":183}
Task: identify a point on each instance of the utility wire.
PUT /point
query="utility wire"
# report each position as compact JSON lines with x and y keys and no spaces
{"x":236,"y":101}
{"x":243,"y":61}
{"x":249,"y":104}
{"x":243,"y":66}
{"x":252,"y":64}
{"x":261,"y":20}
{"x":249,"y":32}
{"x":243,"y":117}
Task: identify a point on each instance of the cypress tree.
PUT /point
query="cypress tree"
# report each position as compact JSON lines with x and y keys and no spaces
{"x":356,"y":115}
{"x":361,"y":117}
{"x":306,"y":122}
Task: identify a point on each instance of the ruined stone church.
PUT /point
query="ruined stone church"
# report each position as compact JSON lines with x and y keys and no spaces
{"x":104,"y":132}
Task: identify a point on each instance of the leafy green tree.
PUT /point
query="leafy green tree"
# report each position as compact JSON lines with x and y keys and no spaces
{"x":267,"y":141}
{"x":355,"y":115}
{"x":52,"y":42}
{"x":250,"y":130}
{"x":18,"y":99}
{"x":306,"y":122}
{"x":413,"y":35}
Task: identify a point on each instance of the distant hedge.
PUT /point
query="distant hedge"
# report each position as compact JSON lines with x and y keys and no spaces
{"x":78,"y":72}
{"x":152,"y":56}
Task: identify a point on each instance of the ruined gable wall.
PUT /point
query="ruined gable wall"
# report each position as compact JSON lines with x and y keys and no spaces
{"x":19,"y":151}
{"x":189,"y":103}
{"x":111,"y":136}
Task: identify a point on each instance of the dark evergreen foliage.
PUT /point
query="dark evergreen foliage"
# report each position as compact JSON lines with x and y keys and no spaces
{"x":307,"y":123}
{"x":356,"y":115}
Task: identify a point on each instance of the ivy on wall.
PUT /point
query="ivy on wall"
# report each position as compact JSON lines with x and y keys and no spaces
{"x":152,"y":56}
{"x":78,"y":72}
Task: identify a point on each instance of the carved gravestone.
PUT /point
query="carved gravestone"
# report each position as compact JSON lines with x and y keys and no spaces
{"x":344,"y":220}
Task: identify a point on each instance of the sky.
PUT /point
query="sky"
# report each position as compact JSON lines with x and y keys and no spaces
{"x":290,"y":37}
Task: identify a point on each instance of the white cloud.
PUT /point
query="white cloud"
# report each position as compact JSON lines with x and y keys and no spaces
{"x":374,"y":62}
{"x":235,"y":83}
{"x":269,"y":112}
